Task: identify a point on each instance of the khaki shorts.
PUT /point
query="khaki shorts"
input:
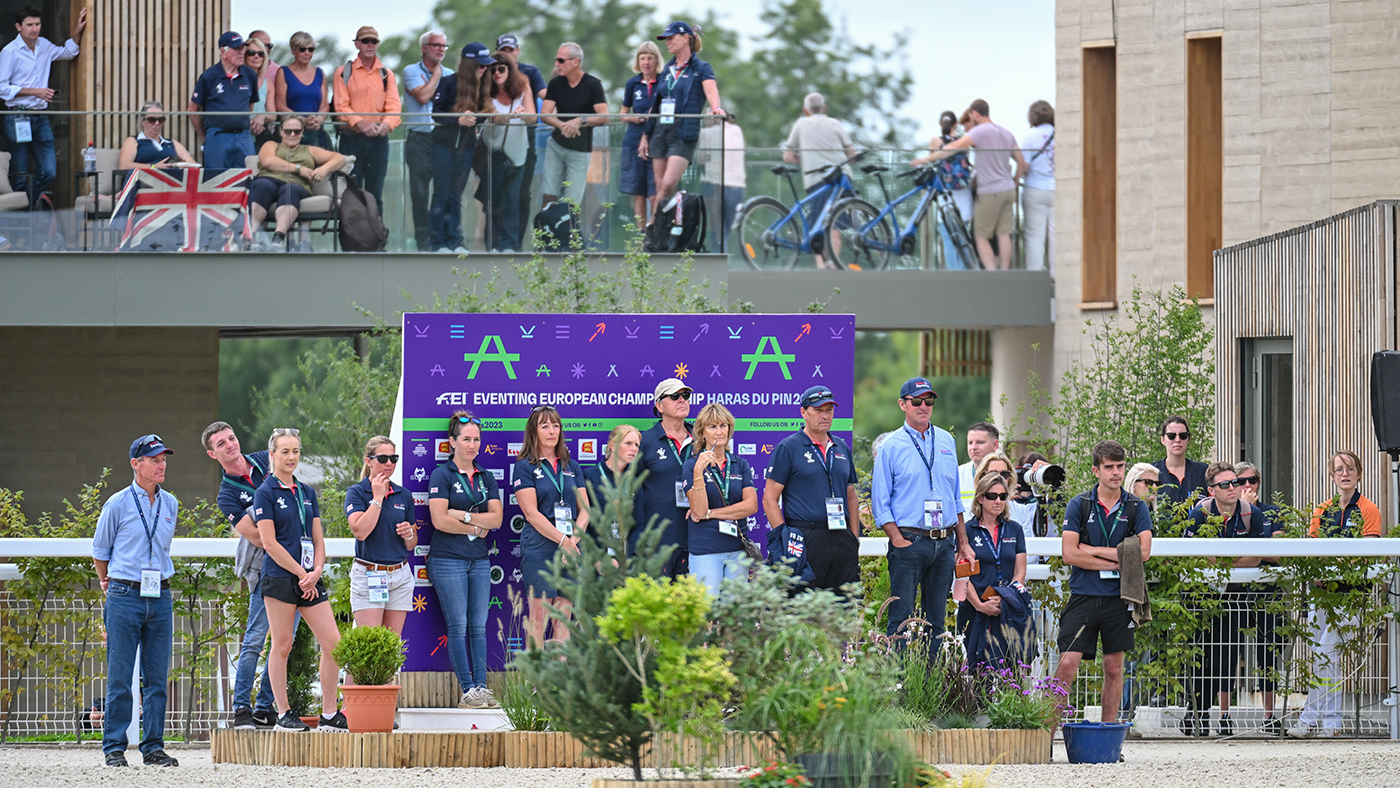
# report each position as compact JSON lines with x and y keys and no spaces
{"x":992,"y":214}
{"x":400,"y":589}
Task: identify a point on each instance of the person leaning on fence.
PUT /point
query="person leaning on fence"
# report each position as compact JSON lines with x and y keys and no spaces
{"x":957,"y":175}
{"x":580,"y":104}
{"x":286,"y":172}
{"x":509,"y":45}
{"x":228,"y":88}
{"x":1182,"y":478}
{"x":301,"y":88}
{"x":818,"y":142}
{"x":1096,"y":523}
{"x":25,"y":64}
{"x":455,"y":106}
{"x":421,"y":83}
{"x":131,"y":553}
{"x":638,"y":177}
{"x":1219,"y":641}
{"x":507,"y":136}
{"x":380,"y":515}
{"x":365,"y":85}
{"x":719,"y":486}
{"x":1268,"y":643}
{"x":289,"y":523}
{"x":1038,"y":186}
{"x":148,"y":148}
{"x":686,"y":85}
{"x":1348,"y":515}
{"x":995,"y":618}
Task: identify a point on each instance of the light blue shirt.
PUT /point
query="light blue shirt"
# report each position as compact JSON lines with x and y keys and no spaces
{"x":418,"y":117}
{"x":126,"y":544}
{"x":903,"y":481}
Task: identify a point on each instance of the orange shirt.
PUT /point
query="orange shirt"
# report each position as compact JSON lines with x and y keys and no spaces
{"x":1334,"y":516}
{"x":366,"y":93}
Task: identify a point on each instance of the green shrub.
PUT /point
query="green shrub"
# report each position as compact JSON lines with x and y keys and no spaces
{"x":371,"y":655}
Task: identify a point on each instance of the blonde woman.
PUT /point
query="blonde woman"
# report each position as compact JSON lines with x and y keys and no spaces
{"x":719,"y":486}
{"x":381,"y":518}
{"x":1000,"y":546}
{"x":261,"y":123}
{"x":638,"y":176}
{"x":624,"y":443}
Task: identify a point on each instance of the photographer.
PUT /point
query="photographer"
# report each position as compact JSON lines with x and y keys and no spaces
{"x":1037,"y":486}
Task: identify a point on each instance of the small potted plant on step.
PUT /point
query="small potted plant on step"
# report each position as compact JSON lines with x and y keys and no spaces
{"x":372,"y":657}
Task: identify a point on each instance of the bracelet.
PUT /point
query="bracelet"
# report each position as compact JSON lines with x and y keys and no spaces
{"x":373,"y":502}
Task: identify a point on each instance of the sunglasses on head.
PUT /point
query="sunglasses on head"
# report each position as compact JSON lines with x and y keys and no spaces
{"x":283,"y":431}
{"x":991,"y":496}
{"x":1171,"y":436}
{"x":1002,"y":474}
{"x":1228,"y":483}
{"x":368,"y":41}
{"x":539,"y":408}
{"x":685,"y":395}
{"x":471,"y":420}
{"x":926,"y":402}
{"x":306,"y":49}
{"x":384,"y":459}
{"x":154,"y":119}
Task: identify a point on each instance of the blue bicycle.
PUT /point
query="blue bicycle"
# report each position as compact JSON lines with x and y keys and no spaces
{"x":867,"y":236}
{"x":772,"y":237}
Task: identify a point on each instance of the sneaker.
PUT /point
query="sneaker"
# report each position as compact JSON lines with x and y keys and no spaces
{"x":462,"y":250}
{"x":488,"y":698}
{"x":467,"y":698}
{"x":115,"y":758}
{"x":1227,"y":726}
{"x":5,"y":247}
{"x":264,"y":718}
{"x":1302,"y":731}
{"x":158,"y":758}
{"x":243,"y":720}
{"x":1188,"y":724}
{"x":335,"y":724}
{"x":476,"y":698}
{"x":291,"y":723}
{"x":1272,"y":726}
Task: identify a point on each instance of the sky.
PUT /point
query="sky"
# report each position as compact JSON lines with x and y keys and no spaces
{"x":1002,"y":51}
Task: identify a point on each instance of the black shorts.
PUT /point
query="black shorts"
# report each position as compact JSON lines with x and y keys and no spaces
{"x":1086,"y":618}
{"x":666,"y":142}
{"x":286,"y":589}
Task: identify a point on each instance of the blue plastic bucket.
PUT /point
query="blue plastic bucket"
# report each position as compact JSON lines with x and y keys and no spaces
{"x":1095,"y":742}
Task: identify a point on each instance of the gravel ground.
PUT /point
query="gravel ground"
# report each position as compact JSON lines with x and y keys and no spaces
{"x":1367,"y":763}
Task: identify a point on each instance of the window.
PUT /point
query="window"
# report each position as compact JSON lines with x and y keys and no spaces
{"x":1268,"y":414}
{"x":1099,"y":252}
{"x":1204,"y":163}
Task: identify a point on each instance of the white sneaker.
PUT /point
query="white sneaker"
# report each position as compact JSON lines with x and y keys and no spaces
{"x":465,"y":702}
{"x":488,"y":698}
{"x":476,"y":698}
{"x":461,"y":250}
{"x":1302,"y":731}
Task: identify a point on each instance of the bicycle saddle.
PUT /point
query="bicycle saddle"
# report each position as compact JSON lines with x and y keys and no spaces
{"x":870,"y":169}
{"x":783,"y":169}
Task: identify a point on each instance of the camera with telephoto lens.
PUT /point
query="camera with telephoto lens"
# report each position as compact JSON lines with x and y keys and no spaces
{"x":1051,"y":476}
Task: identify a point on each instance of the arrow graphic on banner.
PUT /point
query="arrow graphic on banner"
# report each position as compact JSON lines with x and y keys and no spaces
{"x":704,"y":329}
{"x":602,"y":328}
{"x":442,"y":641}
{"x":806,"y":329}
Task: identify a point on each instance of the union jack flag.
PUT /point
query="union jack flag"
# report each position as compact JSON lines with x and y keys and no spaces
{"x":182,"y":209}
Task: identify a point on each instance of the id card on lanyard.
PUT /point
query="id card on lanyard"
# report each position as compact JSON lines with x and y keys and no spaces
{"x":25,"y":133}
{"x":469,"y":490}
{"x":308,"y":548}
{"x":726,"y":527}
{"x":933,"y":508}
{"x":150,"y":577}
{"x":377,"y":580}
{"x":682,"y":501}
{"x":835,"y":507}
{"x":1107,"y":530}
{"x":563,"y":513}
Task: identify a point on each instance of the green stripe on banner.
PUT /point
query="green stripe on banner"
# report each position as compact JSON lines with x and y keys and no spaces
{"x":518,"y":425}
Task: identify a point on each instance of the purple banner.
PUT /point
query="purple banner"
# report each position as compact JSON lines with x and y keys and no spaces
{"x":599,"y":371}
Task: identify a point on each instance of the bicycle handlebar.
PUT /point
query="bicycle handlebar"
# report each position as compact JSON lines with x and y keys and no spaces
{"x":859,"y":155}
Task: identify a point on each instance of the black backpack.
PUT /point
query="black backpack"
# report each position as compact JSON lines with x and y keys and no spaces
{"x":694,"y":227}
{"x":361,"y":227}
{"x":555,"y":225}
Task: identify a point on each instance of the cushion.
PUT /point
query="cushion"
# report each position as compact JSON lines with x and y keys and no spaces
{"x":320,"y":203}
{"x":83,"y":203}
{"x":12,"y":200}
{"x":107,"y":161}
{"x":5,"y":173}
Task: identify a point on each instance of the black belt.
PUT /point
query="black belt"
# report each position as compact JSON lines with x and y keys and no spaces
{"x":919,"y":533}
{"x":804,"y":524}
{"x":379,"y":567}
{"x":164,"y":584}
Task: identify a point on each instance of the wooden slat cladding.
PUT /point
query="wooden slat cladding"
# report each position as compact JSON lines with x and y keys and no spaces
{"x":143,"y":50}
{"x":957,"y":353}
{"x":1330,"y":286}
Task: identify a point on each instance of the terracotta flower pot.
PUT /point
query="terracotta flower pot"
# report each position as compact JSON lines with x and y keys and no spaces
{"x":312,"y":721}
{"x":370,"y":708}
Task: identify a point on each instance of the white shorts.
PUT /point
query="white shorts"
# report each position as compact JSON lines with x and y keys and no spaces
{"x":400,"y":589}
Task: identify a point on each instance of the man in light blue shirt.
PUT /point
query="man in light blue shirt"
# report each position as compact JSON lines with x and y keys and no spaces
{"x":131,"y":551}
{"x":916,"y":499}
{"x":420,"y":86}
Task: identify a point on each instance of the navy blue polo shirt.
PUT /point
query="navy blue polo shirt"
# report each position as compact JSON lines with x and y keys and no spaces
{"x":214,"y":91}
{"x":552,"y":486}
{"x":1234,"y":528}
{"x":236,"y":492}
{"x":464,"y":493}
{"x":1193,"y":485}
{"x":276,"y":502}
{"x":1086,"y":582}
{"x":383,"y":545}
{"x":595,"y":475}
{"x":687,"y":88}
{"x":637,"y":95}
{"x":1009,"y":543}
{"x":1272,"y":516}
{"x":663,"y":461}
{"x":809,"y":477}
{"x":537,"y":84}
{"x":705,"y":537}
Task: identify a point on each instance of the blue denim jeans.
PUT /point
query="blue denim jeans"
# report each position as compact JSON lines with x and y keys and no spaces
{"x":464,"y":593}
{"x":134,"y":621}
{"x":451,"y":169}
{"x":254,"y":638}
{"x":924,"y":567}
{"x":45,"y":167}
{"x":228,"y":150}
{"x":712,"y":569}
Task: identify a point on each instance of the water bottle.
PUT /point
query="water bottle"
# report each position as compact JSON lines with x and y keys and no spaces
{"x":90,"y":158}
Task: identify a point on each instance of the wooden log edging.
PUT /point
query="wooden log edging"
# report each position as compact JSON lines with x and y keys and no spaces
{"x":547,"y":750}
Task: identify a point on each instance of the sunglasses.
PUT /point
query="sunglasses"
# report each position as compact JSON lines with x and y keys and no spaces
{"x":1248,"y":479}
{"x":153,"y":119}
{"x":991,"y":496}
{"x":368,"y":41}
{"x":539,"y":408}
{"x":385,"y":459}
{"x":306,"y":49}
{"x":1228,"y":483}
{"x":1171,"y":436}
{"x":286,"y":130}
{"x":472,"y":419}
{"x":685,"y":395}
{"x":284,"y":431}
{"x":501,"y":70}
{"x":564,"y":59}
{"x":925,"y":402}
{"x":1151,"y":483}
{"x":254,"y":53}
{"x":150,"y":440}
{"x":1002,"y":474}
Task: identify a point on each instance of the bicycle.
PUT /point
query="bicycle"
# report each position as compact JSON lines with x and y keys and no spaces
{"x":772,"y":236}
{"x":869,"y":236}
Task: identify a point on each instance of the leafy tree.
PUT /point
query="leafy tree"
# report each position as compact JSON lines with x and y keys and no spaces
{"x":331,"y":53}
{"x":196,"y":583}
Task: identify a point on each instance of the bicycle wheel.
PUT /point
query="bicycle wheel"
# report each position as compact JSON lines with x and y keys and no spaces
{"x":856,"y":240}
{"x":766,"y":240}
{"x":958,"y":232}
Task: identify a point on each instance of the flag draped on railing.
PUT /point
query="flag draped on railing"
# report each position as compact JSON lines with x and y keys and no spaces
{"x":185,"y":210}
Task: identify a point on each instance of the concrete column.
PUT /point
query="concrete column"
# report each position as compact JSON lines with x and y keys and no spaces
{"x":1016,"y":353}
{"x":75,"y":398}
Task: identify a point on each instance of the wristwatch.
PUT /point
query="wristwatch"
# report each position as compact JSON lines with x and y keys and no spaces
{"x":466,"y":517}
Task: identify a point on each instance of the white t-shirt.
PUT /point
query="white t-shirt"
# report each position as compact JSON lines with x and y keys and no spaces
{"x":730,"y":148}
{"x":1042,"y":172}
{"x":820,"y":140}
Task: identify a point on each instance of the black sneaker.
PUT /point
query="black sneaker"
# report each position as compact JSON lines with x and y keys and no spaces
{"x":264,"y":718}
{"x":243,"y":720}
{"x":158,"y":758}
{"x":1272,"y":726}
{"x":335,"y":724}
{"x":291,"y":723}
{"x":1227,"y":726}
{"x":115,"y":758}
{"x":1188,"y":723}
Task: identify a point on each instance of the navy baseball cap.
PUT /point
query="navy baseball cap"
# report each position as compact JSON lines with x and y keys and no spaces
{"x":674,"y":28}
{"x":148,"y":446}
{"x":917,"y":387}
{"x":817,"y":396}
{"x":231,"y":40}
{"x":508,"y":40}
{"x":479,"y":53}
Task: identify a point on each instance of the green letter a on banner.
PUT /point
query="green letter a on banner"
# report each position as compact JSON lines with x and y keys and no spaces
{"x":777,"y":356}
{"x":499,"y":355}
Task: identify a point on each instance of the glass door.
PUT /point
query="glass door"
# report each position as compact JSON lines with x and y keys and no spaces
{"x":1268,"y":414}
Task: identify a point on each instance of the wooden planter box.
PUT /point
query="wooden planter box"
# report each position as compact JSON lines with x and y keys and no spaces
{"x":602,"y":782}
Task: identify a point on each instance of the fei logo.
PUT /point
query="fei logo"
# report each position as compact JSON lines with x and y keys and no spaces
{"x":588,"y":449}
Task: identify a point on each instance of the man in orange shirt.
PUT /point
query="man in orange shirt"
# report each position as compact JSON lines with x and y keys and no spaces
{"x":364,"y":85}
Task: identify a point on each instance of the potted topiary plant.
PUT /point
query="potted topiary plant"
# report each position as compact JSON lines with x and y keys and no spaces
{"x":371,"y":656}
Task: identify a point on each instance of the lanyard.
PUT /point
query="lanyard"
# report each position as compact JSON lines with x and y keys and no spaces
{"x":1107,"y":528}
{"x":301,"y":508}
{"x":673,"y":74}
{"x":240,"y":484}
{"x":919,"y":447}
{"x":469,"y":485}
{"x":719,"y":479}
{"x":148,"y":527}
{"x":680,"y":450}
{"x":826,"y":466}
{"x":557,"y":480}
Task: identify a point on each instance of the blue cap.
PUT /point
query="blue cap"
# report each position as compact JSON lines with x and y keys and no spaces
{"x":478,"y":52}
{"x":148,"y":446}
{"x":916,"y":387}
{"x":817,"y":396}
{"x":231,"y":40}
{"x":674,"y":28}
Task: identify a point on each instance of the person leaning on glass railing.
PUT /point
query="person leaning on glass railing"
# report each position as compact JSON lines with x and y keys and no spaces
{"x":638,"y":176}
{"x":301,"y":88}
{"x":577,"y":101}
{"x":454,"y":144}
{"x":1038,"y":186}
{"x":286,"y":171}
{"x":148,"y":147}
{"x":261,"y":124}
{"x":957,"y":174}
{"x":723,"y":179}
{"x":687,"y":83}
{"x":507,"y":141}
{"x":421,"y":82}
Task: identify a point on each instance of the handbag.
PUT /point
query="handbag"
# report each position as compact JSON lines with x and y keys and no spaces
{"x":751,"y":548}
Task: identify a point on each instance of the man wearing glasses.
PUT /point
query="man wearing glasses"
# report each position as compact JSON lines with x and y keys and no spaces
{"x":228,"y":86}
{"x":364,"y":85}
{"x":664,"y":450}
{"x":420,"y":87}
{"x":1182,"y":478}
{"x":131,"y":551}
{"x":916,"y":498}
{"x":580,"y":103}
{"x":24,"y":85}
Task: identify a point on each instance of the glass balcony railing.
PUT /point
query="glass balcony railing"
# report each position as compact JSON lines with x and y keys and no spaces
{"x":876,"y":217}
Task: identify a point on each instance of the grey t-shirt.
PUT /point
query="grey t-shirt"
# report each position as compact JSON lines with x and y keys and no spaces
{"x":993,"y":164}
{"x":819,"y":140}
